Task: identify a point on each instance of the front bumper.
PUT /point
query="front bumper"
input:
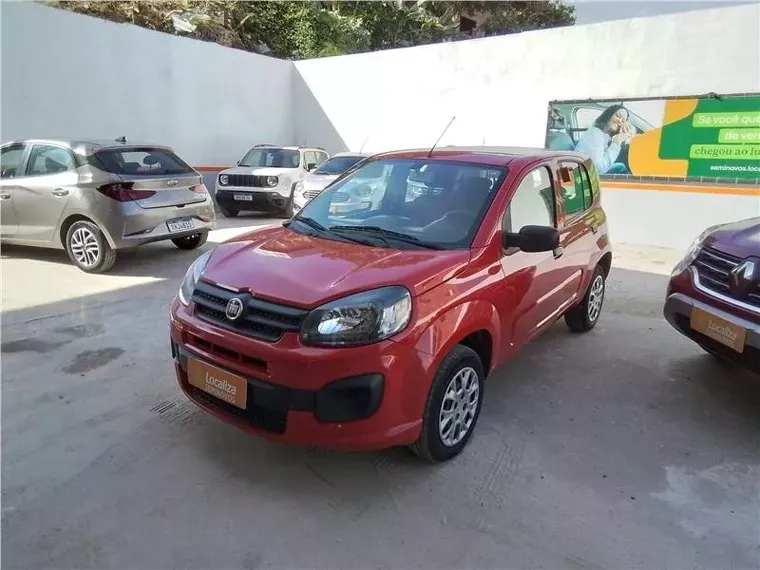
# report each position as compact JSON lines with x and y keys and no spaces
{"x":260,"y":200}
{"x":681,"y":301}
{"x":360,"y":398}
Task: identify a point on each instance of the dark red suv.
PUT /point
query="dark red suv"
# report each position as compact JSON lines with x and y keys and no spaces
{"x":714,"y":293}
{"x":372,"y":318}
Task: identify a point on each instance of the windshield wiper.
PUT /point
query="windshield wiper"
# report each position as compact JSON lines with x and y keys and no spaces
{"x":382,"y":232}
{"x":314,"y":224}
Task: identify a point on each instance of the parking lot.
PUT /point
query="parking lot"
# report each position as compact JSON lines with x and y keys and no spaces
{"x":625,"y":447}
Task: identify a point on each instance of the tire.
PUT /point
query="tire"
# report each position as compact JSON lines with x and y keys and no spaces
{"x":192,"y":241}
{"x":88,"y":248}
{"x":228,"y":212}
{"x":583,"y":317}
{"x":462,"y":364}
{"x":288,"y":212}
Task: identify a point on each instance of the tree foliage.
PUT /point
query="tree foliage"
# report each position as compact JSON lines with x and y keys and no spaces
{"x":316,"y":29}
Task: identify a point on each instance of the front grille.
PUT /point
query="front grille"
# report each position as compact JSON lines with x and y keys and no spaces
{"x":311,"y":194}
{"x":248,"y":180}
{"x":714,"y":267}
{"x":225,"y":353}
{"x":273,"y":421}
{"x":262,"y":320}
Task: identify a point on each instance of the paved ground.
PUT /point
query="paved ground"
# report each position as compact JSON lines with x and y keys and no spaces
{"x":623,"y":448}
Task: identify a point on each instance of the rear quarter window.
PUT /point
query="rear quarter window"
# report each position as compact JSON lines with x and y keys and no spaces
{"x":142,"y":161}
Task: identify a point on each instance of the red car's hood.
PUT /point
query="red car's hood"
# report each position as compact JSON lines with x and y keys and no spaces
{"x":282,"y":265}
{"x":740,"y":239}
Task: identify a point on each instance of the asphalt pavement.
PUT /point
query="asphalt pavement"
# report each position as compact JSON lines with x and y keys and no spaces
{"x":626,"y":447}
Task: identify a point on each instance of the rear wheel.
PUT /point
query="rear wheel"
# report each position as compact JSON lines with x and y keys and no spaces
{"x":584,"y":316}
{"x":88,"y":248}
{"x":452,"y":408}
{"x":191,"y":241}
{"x":228,"y":212}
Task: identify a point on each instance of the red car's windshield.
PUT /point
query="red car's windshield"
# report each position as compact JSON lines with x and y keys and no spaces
{"x":433,"y":203}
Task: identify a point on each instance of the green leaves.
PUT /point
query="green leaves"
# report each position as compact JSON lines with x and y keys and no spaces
{"x":299,"y":30}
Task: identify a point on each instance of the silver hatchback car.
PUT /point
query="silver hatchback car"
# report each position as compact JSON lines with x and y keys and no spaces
{"x":93,"y":198}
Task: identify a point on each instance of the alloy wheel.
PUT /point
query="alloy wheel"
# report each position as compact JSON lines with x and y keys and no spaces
{"x":459,"y":406}
{"x":595,"y":298}
{"x":84,"y":247}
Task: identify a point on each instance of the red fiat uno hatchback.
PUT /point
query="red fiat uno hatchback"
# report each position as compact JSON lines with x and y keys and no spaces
{"x":376,"y":325}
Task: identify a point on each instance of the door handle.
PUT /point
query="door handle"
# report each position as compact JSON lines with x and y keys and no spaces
{"x":558,"y":252}
{"x":4,"y":196}
{"x":594,"y":228}
{"x":60,"y":192}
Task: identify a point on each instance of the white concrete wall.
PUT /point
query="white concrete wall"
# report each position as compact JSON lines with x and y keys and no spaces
{"x":67,"y":75}
{"x":499,"y":89}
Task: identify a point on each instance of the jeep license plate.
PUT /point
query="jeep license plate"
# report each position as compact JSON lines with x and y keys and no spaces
{"x":243,"y":197}
{"x":720,"y":330}
{"x":223,"y":385}
{"x":180,"y":225}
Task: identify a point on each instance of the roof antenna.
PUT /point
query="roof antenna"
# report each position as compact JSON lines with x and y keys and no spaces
{"x":432,"y":148}
{"x":362,"y":147}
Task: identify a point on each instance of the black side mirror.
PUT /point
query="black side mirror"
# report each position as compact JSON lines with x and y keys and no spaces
{"x":532,"y":239}
{"x":311,"y":166}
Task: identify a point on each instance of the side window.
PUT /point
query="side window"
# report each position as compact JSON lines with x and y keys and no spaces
{"x":322,"y":157}
{"x":10,"y":160}
{"x":533,"y":202}
{"x":593,"y":175}
{"x":310,"y":157}
{"x":576,"y":188}
{"x":45,"y":159}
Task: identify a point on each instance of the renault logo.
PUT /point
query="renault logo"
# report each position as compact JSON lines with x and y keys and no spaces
{"x":743,"y":278}
{"x":172,"y":182}
{"x":234,"y":308}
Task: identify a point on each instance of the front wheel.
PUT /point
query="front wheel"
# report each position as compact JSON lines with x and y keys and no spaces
{"x":192,"y":241}
{"x":288,"y":211}
{"x":584,"y":316}
{"x":453,"y":406}
{"x":88,"y":248}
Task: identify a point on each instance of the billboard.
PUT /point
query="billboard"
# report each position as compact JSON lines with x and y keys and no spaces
{"x":706,"y":137}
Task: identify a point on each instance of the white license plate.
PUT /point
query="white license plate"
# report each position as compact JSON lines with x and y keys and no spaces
{"x":180,"y":225}
{"x":244,"y":197}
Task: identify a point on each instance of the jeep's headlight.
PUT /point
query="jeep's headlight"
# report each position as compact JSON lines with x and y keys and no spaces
{"x":224,"y":180}
{"x":359,"y":319}
{"x":272,"y":181}
{"x":191,"y":278}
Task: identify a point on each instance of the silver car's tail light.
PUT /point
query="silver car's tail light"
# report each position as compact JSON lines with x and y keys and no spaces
{"x":123,"y":192}
{"x":200,"y":189}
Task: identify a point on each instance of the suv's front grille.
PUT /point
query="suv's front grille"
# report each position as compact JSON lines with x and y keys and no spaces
{"x":260,"y":319}
{"x":309,"y":194}
{"x":714,"y":267}
{"x":247,"y":180}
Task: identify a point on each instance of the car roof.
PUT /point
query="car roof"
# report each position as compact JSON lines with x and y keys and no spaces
{"x":287,"y":147}
{"x":492,"y":155}
{"x":352,"y":154}
{"x":89,"y":146}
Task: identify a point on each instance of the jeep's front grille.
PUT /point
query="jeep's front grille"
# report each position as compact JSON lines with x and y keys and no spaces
{"x":714,"y":267}
{"x":260,"y":319}
{"x":247,"y":180}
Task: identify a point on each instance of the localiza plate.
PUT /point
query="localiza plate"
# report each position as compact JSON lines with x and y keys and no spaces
{"x":721,"y":330}
{"x":225,"y":386}
{"x":180,"y":225}
{"x":244,"y":197}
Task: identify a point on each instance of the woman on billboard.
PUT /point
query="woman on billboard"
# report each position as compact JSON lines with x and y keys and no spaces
{"x":603,"y":141}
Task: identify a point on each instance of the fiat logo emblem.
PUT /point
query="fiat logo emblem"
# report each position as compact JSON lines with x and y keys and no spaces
{"x":234,"y":308}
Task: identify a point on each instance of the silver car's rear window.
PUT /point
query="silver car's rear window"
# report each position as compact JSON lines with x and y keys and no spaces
{"x":142,"y":161}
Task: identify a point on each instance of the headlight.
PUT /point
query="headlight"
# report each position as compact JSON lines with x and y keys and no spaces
{"x":363,"y":318}
{"x":298,"y":188}
{"x":693,"y":251}
{"x":191,"y":278}
{"x":224,"y":179}
{"x":272,"y":181}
